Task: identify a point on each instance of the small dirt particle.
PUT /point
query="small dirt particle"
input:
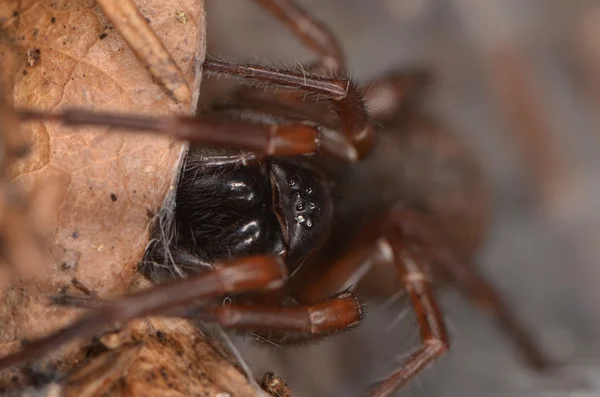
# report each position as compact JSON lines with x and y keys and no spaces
{"x":102,"y":36}
{"x":33,"y":57}
{"x":164,"y":374}
{"x":181,"y":17}
{"x":70,"y":259}
{"x":162,"y":338}
{"x":113,"y":197}
{"x":275,"y":385}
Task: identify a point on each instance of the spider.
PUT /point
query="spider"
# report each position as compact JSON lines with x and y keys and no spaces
{"x":283,"y":205}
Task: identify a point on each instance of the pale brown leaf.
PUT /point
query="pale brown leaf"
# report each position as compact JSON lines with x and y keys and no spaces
{"x":92,"y":192}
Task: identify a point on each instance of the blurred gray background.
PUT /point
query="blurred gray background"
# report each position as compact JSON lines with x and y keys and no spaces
{"x":521,"y":81}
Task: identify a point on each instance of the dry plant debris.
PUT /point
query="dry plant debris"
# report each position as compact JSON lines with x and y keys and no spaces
{"x":147,"y":46}
{"x":275,"y":385}
{"x":92,"y":193}
{"x":156,"y":357}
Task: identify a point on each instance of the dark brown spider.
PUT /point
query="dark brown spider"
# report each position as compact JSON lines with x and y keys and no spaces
{"x":285,"y":205}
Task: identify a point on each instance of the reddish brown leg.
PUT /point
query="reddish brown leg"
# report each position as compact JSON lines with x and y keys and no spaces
{"x":390,"y":247}
{"x":357,"y":128}
{"x":470,"y":283}
{"x":311,"y":32}
{"x":240,"y":275}
{"x":209,"y":131}
{"x":434,"y":338}
{"x":355,"y":120}
{"x":336,"y":314}
{"x":312,"y":321}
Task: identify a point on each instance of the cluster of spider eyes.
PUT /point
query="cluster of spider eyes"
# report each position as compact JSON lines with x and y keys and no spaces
{"x":300,"y":207}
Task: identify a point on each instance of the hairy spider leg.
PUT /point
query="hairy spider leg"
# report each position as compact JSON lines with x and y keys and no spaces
{"x":249,"y":274}
{"x":358,"y":133}
{"x":339,"y":313}
{"x":209,"y":131}
{"x":434,"y":337}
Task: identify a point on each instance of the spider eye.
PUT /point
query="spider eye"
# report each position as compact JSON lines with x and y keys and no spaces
{"x":304,"y":221}
{"x":309,"y":190}
{"x":299,"y":207}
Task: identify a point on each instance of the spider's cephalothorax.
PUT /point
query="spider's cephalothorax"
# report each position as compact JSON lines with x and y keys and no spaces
{"x":273,"y":207}
{"x":272,"y":182}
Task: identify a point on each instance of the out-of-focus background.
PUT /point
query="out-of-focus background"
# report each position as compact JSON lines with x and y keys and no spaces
{"x":520,"y":80}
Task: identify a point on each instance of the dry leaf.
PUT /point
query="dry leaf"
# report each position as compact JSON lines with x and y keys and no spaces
{"x":158,"y":357}
{"x":95,"y":200}
{"x":92,"y":193}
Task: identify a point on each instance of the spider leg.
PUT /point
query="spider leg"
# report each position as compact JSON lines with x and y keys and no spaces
{"x":83,"y":302}
{"x":240,"y":275}
{"x":434,"y":337}
{"x":356,"y":126}
{"x":261,"y":138}
{"x":339,"y":313}
{"x":311,"y":32}
{"x":382,"y":241}
{"x":473,"y":285}
{"x":357,"y":129}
